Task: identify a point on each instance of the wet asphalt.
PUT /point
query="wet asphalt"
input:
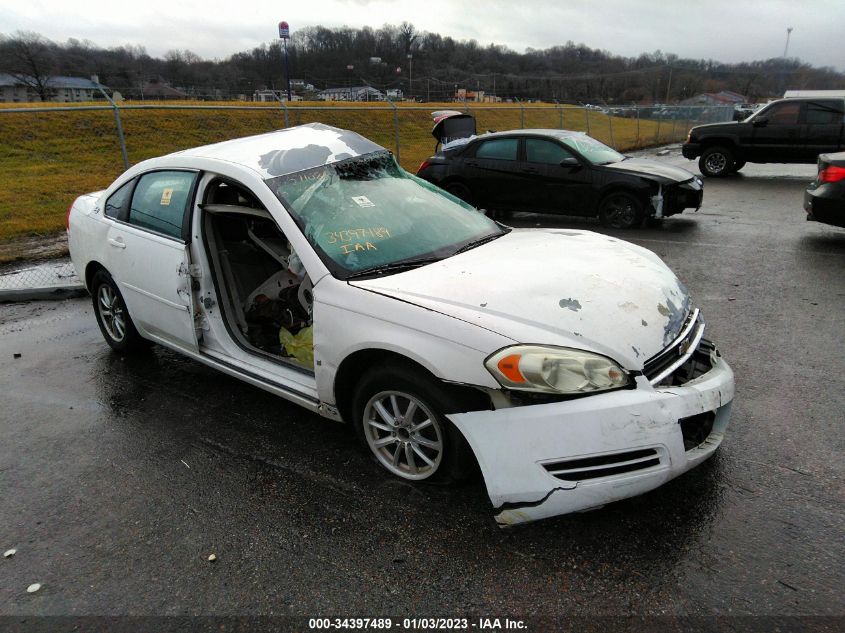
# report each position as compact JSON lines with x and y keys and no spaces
{"x":120,"y":476}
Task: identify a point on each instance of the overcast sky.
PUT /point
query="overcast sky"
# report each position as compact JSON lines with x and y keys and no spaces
{"x":724,"y":30}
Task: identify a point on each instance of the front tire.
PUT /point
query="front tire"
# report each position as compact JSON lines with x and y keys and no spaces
{"x":113,"y":317}
{"x":399,"y":417}
{"x":738,"y":164}
{"x":716,"y":162}
{"x":620,"y":210}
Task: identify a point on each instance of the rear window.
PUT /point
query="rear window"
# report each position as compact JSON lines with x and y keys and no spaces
{"x":117,"y":201}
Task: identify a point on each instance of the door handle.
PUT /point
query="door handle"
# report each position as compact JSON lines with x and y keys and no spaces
{"x":530,"y":170}
{"x":117,"y":243}
{"x":472,"y":163}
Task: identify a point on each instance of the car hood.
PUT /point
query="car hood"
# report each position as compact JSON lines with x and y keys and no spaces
{"x":644,"y":167}
{"x":556,"y":287}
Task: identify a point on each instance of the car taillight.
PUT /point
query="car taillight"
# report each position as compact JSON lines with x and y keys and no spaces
{"x":67,"y":219}
{"x":832,"y":173}
{"x":423,"y":165}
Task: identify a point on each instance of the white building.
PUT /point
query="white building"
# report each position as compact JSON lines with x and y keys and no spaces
{"x":352,"y":93}
{"x":274,"y":95}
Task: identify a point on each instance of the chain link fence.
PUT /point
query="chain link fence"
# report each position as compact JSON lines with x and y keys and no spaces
{"x":53,"y":278}
{"x":49,"y":154}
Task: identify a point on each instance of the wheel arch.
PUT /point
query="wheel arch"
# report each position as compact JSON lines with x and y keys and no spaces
{"x":639,"y":190}
{"x":351,"y":368}
{"x":452,"y":179}
{"x":727,"y":142}
{"x":91,"y":269}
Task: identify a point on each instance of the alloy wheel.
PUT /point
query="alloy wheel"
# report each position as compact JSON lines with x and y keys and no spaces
{"x":112,"y":312}
{"x":620,"y":212}
{"x":404,"y":434}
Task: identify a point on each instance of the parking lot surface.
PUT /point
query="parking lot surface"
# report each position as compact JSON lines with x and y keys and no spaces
{"x":121,"y":476}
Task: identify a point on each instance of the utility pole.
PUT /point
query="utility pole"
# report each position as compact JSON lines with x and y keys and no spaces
{"x":668,"y":85}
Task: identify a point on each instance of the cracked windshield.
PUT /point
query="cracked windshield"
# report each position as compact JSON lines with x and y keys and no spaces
{"x":367,"y":213}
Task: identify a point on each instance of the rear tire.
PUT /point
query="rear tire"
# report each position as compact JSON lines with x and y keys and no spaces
{"x":620,"y":210}
{"x":113,"y":317}
{"x":460,"y":190}
{"x":716,"y":162}
{"x":399,"y":417}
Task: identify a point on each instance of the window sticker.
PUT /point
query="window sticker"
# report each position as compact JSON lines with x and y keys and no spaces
{"x":166,"y":195}
{"x":363,"y":201}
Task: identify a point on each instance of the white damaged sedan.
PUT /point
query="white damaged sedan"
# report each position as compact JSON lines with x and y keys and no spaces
{"x":570,"y":366}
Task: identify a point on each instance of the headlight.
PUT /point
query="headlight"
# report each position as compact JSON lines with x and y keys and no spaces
{"x":689,"y":135}
{"x":555,"y":370}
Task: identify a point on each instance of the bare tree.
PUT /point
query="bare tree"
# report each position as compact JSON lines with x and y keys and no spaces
{"x":407,"y":36}
{"x":28,"y":57}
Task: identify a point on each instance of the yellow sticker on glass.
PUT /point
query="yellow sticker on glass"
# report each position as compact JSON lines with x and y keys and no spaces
{"x":166,"y":195}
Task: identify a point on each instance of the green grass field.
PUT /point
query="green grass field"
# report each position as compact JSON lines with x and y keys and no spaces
{"x":48,"y":158}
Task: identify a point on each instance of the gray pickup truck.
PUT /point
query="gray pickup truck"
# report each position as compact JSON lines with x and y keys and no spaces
{"x":784,"y":131}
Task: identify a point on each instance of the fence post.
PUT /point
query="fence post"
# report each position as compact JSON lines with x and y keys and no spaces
{"x":118,"y":125}
{"x":672,"y":133}
{"x":587,"y":116}
{"x":521,"y":114}
{"x":560,"y":113}
{"x":659,"y":121}
{"x":396,"y":129}
{"x":637,"y":143}
{"x":610,"y":125}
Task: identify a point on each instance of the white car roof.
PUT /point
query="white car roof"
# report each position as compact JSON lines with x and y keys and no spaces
{"x":288,"y":151}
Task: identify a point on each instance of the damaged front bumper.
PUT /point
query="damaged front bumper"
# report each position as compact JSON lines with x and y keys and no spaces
{"x":549,"y":459}
{"x":673,"y":199}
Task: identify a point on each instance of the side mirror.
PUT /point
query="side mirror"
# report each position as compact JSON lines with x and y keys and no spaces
{"x":570,"y":162}
{"x":760,"y":121}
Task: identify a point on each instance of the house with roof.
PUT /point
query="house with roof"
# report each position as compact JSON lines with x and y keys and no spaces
{"x":157,"y":88}
{"x":20,"y":89}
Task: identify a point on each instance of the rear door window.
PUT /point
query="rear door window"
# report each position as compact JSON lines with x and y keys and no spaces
{"x":824,"y":112}
{"x":499,"y":149}
{"x":161,"y":200}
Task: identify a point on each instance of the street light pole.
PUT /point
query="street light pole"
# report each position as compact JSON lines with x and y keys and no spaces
{"x":284,"y":34}
{"x":410,"y":76}
{"x":786,"y":48}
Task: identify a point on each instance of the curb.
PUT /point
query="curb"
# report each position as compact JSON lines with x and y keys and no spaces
{"x":54,"y":293}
